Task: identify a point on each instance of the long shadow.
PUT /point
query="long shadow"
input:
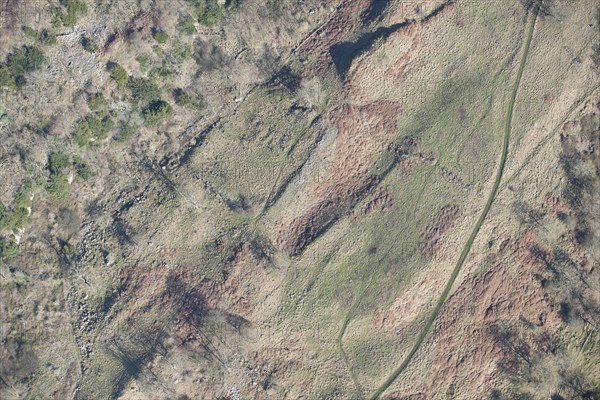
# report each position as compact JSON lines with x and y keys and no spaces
{"x":344,"y":53}
{"x":375,"y":10}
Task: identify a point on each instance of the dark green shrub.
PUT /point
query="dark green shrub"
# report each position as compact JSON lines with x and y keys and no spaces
{"x":7,"y":79}
{"x":58,"y":161}
{"x":119,"y":74}
{"x":96,"y":101}
{"x":143,"y":90}
{"x":92,"y":129}
{"x":20,"y":81}
{"x":89,"y":45}
{"x":156,"y":112}
{"x":182,"y":98}
{"x":46,"y":38}
{"x":160,"y":36}
{"x":232,"y":4}
{"x":59,"y":186}
{"x":128,"y":130}
{"x":69,"y":12}
{"x":8,"y":248}
{"x":208,"y":11}
{"x":187,"y":25}
{"x":83,"y":170}
{"x":25,"y":59}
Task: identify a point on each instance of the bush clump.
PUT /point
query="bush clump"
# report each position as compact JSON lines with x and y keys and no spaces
{"x":182,"y":98}
{"x":18,"y":217}
{"x":161,"y":72}
{"x":69,"y":249}
{"x":8,"y":248}
{"x":97,"y":101}
{"x":208,"y":11}
{"x":143,"y":90}
{"x":127,"y":131}
{"x":59,"y":186}
{"x":181,"y":52}
{"x":160,"y":36}
{"x":30,"y":33}
{"x":119,"y":74}
{"x":89,"y":45}
{"x":144,"y":61}
{"x":156,"y":112}
{"x":68,"y":12}
{"x":187,"y":25}
{"x":24,"y":60}
{"x":7,"y":79}
{"x":92,"y":129}
{"x":44,"y":36}
{"x":83,"y":169}
{"x":60,"y":166}
{"x":57,"y":161}
{"x":23,"y":199}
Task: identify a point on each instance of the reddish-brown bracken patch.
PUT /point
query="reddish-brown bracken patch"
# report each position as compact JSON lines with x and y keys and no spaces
{"x":363,"y":133}
{"x":444,"y":220}
{"x":400,"y":69}
{"x":381,"y":200}
{"x":466,"y":336}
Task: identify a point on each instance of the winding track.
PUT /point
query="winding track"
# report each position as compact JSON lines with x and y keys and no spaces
{"x":488,"y":205}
